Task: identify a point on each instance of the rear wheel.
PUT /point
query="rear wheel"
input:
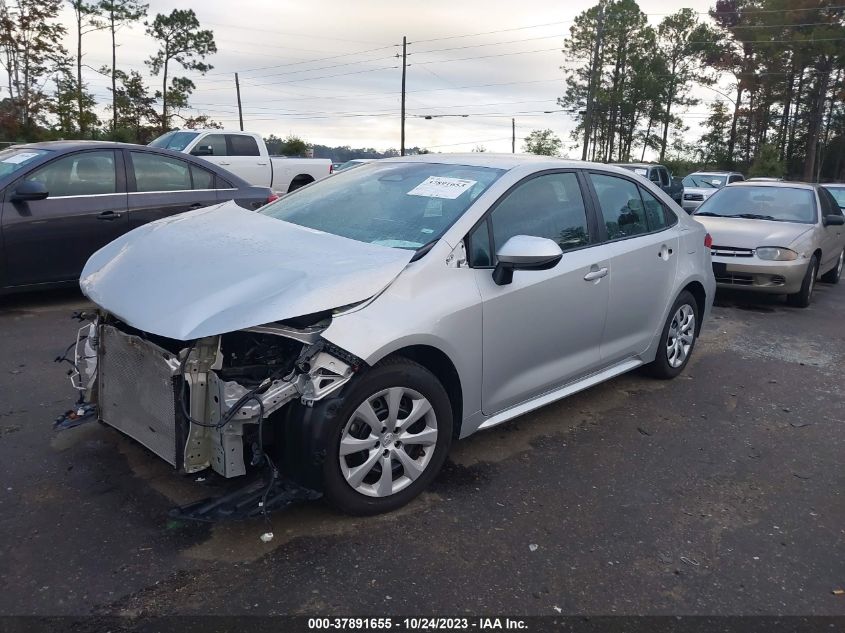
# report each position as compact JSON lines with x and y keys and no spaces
{"x":832,"y":276}
{"x":802,"y":298}
{"x":677,"y":339}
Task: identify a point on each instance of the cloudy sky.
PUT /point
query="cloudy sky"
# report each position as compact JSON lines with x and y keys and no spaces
{"x":327,"y":71}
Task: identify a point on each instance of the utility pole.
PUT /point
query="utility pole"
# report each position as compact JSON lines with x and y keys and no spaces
{"x":513,"y":136}
{"x":240,"y":111}
{"x":404,"y":60}
{"x":588,"y":115}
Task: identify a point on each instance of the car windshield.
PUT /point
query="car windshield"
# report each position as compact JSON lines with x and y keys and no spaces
{"x":174,"y":140}
{"x":402,"y":205}
{"x":839,"y":194}
{"x":704,"y":181}
{"x":782,"y":204}
{"x":12,"y":160}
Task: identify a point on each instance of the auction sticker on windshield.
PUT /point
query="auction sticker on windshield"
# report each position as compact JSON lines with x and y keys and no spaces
{"x":442,"y":187}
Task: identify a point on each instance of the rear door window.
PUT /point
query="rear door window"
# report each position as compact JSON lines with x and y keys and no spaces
{"x":621,"y":206}
{"x":81,"y":174}
{"x":154,"y":172}
{"x":242,"y":145}
{"x":202,"y":178}
{"x":657,"y":217}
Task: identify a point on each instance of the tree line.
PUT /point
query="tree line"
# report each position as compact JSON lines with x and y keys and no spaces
{"x":47,"y":95}
{"x":628,"y":84}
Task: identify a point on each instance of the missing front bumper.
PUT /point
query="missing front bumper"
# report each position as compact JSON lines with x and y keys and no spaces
{"x":175,"y":402}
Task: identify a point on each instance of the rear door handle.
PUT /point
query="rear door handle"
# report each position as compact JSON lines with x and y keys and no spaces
{"x":593,"y":275}
{"x":109,"y":215}
{"x":222,"y":163}
{"x":196,"y":205}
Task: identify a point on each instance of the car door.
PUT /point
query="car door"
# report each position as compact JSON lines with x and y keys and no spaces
{"x":162,"y":185}
{"x":833,"y":235}
{"x":246,"y":161}
{"x":47,"y":241}
{"x":642,"y":242}
{"x":543,"y":329}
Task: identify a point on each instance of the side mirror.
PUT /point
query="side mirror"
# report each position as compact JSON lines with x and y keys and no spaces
{"x":29,"y":190}
{"x":834,"y":220}
{"x":525,"y":252}
{"x":202,"y":150}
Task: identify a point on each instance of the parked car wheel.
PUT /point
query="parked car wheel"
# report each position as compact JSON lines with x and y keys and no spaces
{"x":832,"y":276}
{"x":802,"y":298}
{"x":677,"y":339}
{"x":388,"y":438}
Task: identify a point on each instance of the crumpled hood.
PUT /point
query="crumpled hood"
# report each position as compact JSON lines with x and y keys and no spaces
{"x":224,"y":268}
{"x":748,"y":233}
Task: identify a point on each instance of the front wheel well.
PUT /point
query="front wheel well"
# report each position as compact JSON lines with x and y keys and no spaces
{"x":439,"y":364}
{"x":700,"y":296}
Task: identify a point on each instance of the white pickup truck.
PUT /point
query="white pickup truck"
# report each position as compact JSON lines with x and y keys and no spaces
{"x":245,"y":155}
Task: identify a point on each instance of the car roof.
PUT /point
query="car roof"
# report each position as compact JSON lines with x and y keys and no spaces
{"x":66,"y":147}
{"x":775,"y":185}
{"x":499,"y":161}
{"x":644,"y":165}
{"x":714,"y":173}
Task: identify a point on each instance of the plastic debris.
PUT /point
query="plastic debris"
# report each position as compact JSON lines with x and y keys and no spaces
{"x":533,"y":547}
{"x":838,"y":592}
{"x":267,"y":537}
{"x":75,"y":417}
{"x":690,"y":561}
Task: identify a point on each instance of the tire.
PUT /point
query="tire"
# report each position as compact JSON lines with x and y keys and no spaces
{"x":832,"y":276}
{"x":354,"y":483}
{"x":803,"y":297}
{"x":676,"y":345}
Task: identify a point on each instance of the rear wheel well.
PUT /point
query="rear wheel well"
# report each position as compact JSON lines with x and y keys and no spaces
{"x":300,"y":181}
{"x":700,"y":296}
{"x":444,"y":370}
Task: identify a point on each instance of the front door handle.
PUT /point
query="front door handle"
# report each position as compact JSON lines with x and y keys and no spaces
{"x":109,"y":215}
{"x":595,"y":273}
{"x":196,"y":205}
{"x":222,"y":163}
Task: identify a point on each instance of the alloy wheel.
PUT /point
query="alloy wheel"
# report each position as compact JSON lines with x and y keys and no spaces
{"x":681,"y":336}
{"x":388,"y":442}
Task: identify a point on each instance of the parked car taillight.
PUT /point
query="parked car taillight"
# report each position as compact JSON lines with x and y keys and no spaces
{"x":708,"y":240}
{"x":273,"y":197}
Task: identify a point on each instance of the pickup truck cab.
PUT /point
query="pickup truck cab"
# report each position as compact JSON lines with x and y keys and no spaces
{"x":660,"y":176}
{"x":245,"y":154}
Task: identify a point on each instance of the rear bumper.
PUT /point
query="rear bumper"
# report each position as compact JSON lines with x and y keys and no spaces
{"x":759,"y":275}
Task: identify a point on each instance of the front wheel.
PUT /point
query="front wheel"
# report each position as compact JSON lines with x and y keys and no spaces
{"x":677,"y":339}
{"x":832,"y":276}
{"x":802,"y":298}
{"x":390,"y":437}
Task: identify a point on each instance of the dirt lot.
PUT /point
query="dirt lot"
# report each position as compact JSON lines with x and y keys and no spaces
{"x":720,"y":492}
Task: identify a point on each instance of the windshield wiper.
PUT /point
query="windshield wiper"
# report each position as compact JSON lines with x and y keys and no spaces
{"x":753,"y":216}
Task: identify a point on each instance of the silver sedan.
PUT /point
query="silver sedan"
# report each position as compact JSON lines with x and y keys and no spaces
{"x":775,"y":237}
{"x":350,"y":331}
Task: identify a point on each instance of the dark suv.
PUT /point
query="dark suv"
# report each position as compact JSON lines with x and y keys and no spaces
{"x":660,"y":176}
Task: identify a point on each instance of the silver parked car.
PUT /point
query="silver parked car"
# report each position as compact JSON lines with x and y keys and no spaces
{"x":700,"y":185}
{"x":353,"y":329}
{"x":775,"y":237}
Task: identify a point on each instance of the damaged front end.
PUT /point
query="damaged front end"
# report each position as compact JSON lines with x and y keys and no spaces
{"x":207,"y":403}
